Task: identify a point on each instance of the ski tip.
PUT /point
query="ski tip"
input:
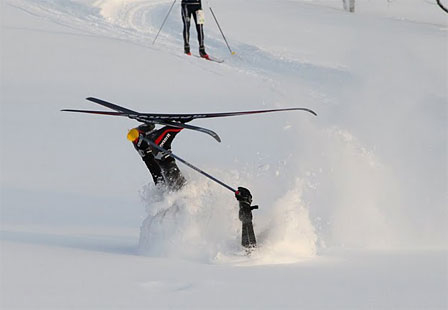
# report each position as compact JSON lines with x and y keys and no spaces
{"x":300,"y":109}
{"x":233,"y":53}
{"x":69,"y":110}
{"x":94,"y":99}
{"x":306,"y":110}
{"x":312,"y":112}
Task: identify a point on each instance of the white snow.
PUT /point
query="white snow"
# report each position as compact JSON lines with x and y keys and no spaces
{"x":353,"y":202}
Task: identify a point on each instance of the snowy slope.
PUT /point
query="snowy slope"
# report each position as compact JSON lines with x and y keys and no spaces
{"x":369,"y":173}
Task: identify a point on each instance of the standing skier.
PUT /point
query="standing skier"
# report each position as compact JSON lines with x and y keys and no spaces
{"x":189,"y":8}
{"x":162,"y":167}
{"x":244,"y":198}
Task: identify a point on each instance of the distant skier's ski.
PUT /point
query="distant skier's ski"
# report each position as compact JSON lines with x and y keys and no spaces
{"x":220,"y":61}
{"x":210,"y":58}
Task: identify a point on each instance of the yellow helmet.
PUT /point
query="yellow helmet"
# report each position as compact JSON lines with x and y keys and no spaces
{"x":133,"y":134}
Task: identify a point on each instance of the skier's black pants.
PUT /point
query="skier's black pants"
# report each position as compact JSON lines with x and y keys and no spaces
{"x":171,"y":172}
{"x":247,"y":234}
{"x":186,"y":11}
{"x":154,"y":168}
{"x":164,"y":171}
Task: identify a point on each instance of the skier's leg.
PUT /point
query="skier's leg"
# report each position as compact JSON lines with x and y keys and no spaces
{"x":154,"y":169}
{"x":247,"y":233}
{"x":352,"y":6}
{"x":200,"y":32}
{"x":248,"y":236}
{"x":172,"y":175}
{"x":244,"y":197}
{"x":186,"y":31}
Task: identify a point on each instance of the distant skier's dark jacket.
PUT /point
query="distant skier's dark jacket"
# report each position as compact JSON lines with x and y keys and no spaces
{"x":191,"y":1}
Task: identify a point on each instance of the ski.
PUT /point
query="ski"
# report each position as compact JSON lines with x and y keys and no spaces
{"x":191,"y":127}
{"x":217,"y":60}
{"x":184,"y":117}
{"x":138,"y":117}
{"x":111,"y":105}
{"x":210,"y":58}
{"x":175,"y":120}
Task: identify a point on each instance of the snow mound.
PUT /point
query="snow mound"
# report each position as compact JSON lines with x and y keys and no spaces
{"x":289,"y":235}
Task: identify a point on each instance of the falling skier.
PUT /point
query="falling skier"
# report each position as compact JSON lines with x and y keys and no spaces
{"x":162,"y":167}
{"x":189,"y":8}
{"x":154,"y":146}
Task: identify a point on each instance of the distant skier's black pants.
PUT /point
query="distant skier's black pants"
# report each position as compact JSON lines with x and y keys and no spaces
{"x":187,"y":11}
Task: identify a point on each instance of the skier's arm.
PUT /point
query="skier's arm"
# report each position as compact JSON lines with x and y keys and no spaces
{"x":143,"y":148}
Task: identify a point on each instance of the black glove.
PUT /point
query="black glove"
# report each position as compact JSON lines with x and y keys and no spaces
{"x":243,"y":195}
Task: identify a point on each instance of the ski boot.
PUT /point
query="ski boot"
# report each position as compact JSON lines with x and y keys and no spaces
{"x":203,"y":54}
{"x":187,"y":50}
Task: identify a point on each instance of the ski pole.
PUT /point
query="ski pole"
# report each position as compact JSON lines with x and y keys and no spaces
{"x":164,"y":21}
{"x":170,"y":153}
{"x":222,"y":33}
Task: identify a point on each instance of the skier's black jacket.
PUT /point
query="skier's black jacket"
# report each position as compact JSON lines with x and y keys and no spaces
{"x":162,"y":167}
